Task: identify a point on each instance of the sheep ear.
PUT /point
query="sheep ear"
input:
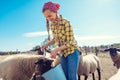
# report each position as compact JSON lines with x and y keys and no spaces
{"x":39,"y":61}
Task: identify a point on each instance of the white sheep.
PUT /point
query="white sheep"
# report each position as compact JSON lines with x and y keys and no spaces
{"x":116,"y":76}
{"x":18,"y":67}
{"x":89,"y":64}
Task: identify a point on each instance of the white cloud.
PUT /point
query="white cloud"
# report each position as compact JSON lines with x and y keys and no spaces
{"x":93,"y":37}
{"x":35,"y":34}
{"x":96,"y":40}
{"x":82,"y":40}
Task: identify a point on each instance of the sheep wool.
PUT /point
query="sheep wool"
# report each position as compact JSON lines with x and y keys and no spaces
{"x":89,"y":64}
{"x":18,"y":67}
{"x":116,"y":76}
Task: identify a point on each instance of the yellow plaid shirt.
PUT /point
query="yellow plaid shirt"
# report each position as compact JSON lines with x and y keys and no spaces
{"x":65,"y":36}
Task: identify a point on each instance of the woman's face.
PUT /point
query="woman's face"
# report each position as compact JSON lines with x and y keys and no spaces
{"x":50,"y":15}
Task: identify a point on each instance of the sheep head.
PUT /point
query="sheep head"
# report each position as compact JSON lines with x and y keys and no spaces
{"x":43,"y":65}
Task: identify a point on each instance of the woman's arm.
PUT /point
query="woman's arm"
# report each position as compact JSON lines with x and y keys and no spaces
{"x":48,"y":44}
{"x":69,"y":34}
{"x":61,"y":48}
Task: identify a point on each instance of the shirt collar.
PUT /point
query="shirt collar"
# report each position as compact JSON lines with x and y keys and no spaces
{"x":59,"y":21}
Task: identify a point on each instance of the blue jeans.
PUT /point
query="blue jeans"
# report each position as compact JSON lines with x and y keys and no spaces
{"x":70,"y":65}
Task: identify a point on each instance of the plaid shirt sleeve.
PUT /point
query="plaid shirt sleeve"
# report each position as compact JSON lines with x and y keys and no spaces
{"x":69,"y":35}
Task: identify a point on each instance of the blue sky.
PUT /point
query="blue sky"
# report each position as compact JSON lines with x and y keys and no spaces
{"x":22,"y":23}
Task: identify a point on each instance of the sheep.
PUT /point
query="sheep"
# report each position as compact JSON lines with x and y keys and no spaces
{"x":115,"y":55}
{"x":116,"y":76}
{"x":88,"y":64}
{"x":19,"y":67}
{"x":46,"y":65}
{"x":116,"y":60}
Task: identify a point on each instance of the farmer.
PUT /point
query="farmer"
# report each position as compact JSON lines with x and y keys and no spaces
{"x":115,"y":55}
{"x":62,"y":36}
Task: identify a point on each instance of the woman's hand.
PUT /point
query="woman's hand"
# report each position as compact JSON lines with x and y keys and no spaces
{"x":54,"y":53}
{"x":44,"y":47}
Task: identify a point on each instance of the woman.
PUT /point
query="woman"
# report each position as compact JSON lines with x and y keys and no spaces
{"x":63,"y":36}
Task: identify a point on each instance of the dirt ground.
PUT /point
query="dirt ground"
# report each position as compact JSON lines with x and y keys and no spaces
{"x":106,"y":64}
{"x":107,"y":68}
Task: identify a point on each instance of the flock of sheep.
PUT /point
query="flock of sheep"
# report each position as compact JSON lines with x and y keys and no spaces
{"x":23,"y":67}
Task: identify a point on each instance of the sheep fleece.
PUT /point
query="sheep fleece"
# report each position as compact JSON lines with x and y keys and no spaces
{"x":18,"y":67}
{"x":116,"y":76}
{"x":88,"y":64}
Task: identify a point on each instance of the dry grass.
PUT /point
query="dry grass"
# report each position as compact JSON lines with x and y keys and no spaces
{"x":2,"y":57}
